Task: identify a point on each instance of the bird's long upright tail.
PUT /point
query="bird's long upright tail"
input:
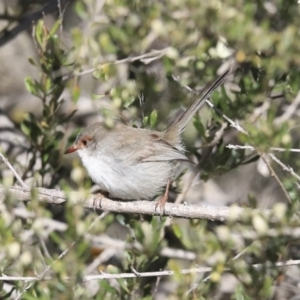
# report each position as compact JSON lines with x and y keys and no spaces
{"x":179,"y":124}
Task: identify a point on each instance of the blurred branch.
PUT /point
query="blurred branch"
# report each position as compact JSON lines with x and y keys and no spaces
{"x":104,"y":241}
{"x":247,"y":147}
{"x":286,"y":231}
{"x":279,"y":162}
{"x":178,"y":253}
{"x":5,"y":160}
{"x":274,"y":174}
{"x":8,"y":17}
{"x":136,"y":274}
{"x":144,"y":58}
{"x":284,"y":167}
{"x":289,"y":112}
{"x":25,"y":22}
{"x":235,"y":124}
{"x":209,"y":212}
{"x":48,"y":268}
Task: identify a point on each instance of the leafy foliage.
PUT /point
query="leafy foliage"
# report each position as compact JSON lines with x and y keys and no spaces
{"x":188,"y":41}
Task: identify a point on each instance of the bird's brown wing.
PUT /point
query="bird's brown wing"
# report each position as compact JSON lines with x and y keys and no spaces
{"x":143,"y":146}
{"x":163,"y":151}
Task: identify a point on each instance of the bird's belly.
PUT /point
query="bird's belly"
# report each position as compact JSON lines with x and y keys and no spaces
{"x":139,"y":181}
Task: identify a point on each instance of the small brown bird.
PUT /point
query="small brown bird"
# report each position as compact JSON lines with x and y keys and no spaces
{"x":136,"y":163}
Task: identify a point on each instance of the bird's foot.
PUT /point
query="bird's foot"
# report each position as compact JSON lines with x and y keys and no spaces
{"x":97,"y":200}
{"x":162,"y":201}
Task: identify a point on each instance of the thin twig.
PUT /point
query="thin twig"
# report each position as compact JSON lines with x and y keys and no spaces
{"x":158,"y":279}
{"x":284,"y":167}
{"x":5,"y":160}
{"x":144,"y":58}
{"x":248,"y":147}
{"x":292,"y":108}
{"x":60,"y":17}
{"x":195,"y":285}
{"x":273,"y":157}
{"x":136,"y":274}
{"x":233,"y":124}
{"x":241,"y":129}
{"x":273,"y":173}
{"x":286,"y":231}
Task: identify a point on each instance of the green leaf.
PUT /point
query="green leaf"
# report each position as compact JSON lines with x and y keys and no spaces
{"x":124,"y":285}
{"x":48,"y":84}
{"x":105,"y":286}
{"x":129,"y":101}
{"x":25,"y":129}
{"x":8,"y":294}
{"x":121,"y":220}
{"x":80,"y":10}
{"x":199,"y":126}
{"x":31,"y":61}
{"x":77,"y":37}
{"x":97,"y":74}
{"x":156,"y":226}
{"x":76,"y":93}
{"x":40,"y":33}
{"x":54,"y":28}
{"x":67,"y":118}
{"x":177,"y":231}
{"x":30,"y":85}
{"x":145,"y":121}
{"x":45,"y":157}
{"x":153,"y":118}
{"x":97,"y":96}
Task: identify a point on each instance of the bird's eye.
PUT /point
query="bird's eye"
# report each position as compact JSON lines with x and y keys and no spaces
{"x":84,"y":142}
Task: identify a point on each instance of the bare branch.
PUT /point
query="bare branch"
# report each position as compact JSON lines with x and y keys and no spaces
{"x":144,"y":58}
{"x":273,"y":157}
{"x":248,"y":147}
{"x":209,"y":212}
{"x":284,"y":167}
{"x":285,"y":231}
{"x":136,"y":274}
{"x":273,"y":173}
{"x":235,"y":124}
{"x":178,"y":253}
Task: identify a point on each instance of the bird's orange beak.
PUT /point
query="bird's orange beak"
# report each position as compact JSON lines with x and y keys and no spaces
{"x":71,"y":149}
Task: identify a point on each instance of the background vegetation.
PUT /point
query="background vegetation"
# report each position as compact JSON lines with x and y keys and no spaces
{"x":67,"y":64}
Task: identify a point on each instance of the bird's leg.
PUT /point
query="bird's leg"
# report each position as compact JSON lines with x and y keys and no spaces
{"x":97,"y":201}
{"x":162,"y":201}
